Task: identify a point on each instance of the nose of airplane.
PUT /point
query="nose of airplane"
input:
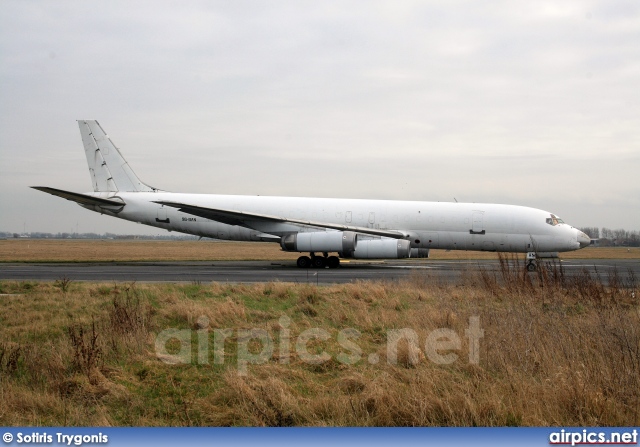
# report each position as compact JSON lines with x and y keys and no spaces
{"x":582,"y":239}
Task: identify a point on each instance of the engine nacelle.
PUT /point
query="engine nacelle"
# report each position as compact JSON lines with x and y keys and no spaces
{"x":419,"y":252}
{"x":344,"y":242}
{"x":383,"y":249}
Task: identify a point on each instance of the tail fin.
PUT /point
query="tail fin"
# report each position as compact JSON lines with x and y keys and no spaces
{"x":108,"y":169}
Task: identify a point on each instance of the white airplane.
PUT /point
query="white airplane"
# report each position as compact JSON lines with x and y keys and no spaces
{"x":352,"y":228}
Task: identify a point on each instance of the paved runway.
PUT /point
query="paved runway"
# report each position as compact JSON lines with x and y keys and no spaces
{"x":264,"y":271}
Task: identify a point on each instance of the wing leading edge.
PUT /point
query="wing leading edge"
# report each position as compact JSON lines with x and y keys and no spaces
{"x":244,"y":219}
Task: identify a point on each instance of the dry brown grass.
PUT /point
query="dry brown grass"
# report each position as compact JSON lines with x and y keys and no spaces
{"x":72,"y":250}
{"x":555,"y":351}
{"x":49,"y":250}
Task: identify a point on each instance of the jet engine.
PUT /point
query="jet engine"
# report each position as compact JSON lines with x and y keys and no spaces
{"x":382,"y":249}
{"x":344,"y":242}
{"x":419,"y":252}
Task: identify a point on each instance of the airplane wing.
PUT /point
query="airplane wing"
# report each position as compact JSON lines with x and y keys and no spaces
{"x":243,"y":219}
{"x":82,"y":199}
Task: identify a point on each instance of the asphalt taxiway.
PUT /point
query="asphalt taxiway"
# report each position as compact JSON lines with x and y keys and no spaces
{"x":265,"y":271}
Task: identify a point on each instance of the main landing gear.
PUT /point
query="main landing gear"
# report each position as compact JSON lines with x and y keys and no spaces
{"x":532,"y":266}
{"x":318,"y":262}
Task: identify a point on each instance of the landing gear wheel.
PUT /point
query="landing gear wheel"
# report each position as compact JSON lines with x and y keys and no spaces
{"x":333,"y":262}
{"x":531,"y":261}
{"x":304,"y":262}
{"x":319,"y":262}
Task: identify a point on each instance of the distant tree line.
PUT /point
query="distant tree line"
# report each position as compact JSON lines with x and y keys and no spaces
{"x":608,"y":237}
{"x":42,"y":235}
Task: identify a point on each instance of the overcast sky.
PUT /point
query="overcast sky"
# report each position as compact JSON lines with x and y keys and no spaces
{"x":527,"y":103}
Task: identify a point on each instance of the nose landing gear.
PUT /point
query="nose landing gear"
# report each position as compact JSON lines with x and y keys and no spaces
{"x":532,"y":265}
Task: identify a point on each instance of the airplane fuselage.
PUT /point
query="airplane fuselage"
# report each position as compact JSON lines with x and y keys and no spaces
{"x":442,"y":225}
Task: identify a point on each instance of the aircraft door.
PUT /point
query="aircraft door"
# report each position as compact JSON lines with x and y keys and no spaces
{"x":477,"y":223}
{"x":162,"y":215}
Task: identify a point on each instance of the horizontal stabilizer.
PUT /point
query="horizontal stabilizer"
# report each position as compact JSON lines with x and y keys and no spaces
{"x":245,"y":219}
{"x":82,"y":199}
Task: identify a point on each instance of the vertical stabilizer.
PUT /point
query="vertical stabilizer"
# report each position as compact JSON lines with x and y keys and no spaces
{"x":108,"y":169}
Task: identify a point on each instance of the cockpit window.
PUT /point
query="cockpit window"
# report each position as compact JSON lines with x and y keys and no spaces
{"x":554,"y":220}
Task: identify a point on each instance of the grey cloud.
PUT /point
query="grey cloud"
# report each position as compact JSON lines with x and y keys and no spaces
{"x":519,"y":102}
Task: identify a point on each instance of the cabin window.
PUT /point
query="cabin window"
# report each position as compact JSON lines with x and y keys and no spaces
{"x":554,"y":220}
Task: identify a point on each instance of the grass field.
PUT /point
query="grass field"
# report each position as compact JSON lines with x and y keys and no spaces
{"x":71,"y":250}
{"x":555,"y":351}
